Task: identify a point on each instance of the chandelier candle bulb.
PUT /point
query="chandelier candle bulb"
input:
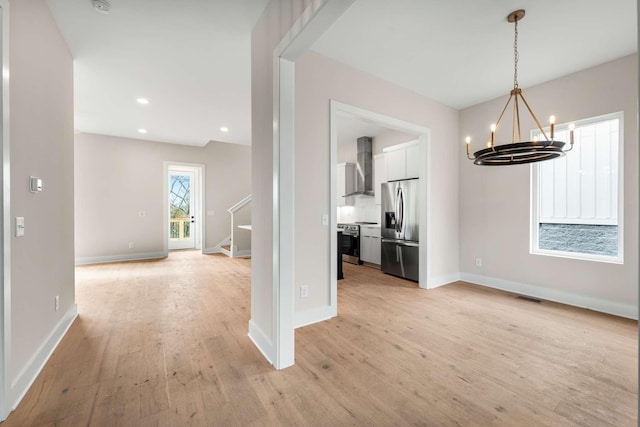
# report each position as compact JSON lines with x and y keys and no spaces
{"x":493,"y":132}
{"x":571,"y":128}
{"x":552,"y":122}
{"x":468,"y":142}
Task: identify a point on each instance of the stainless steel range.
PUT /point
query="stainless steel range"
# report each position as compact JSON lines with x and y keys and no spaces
{"x":350,"y":243}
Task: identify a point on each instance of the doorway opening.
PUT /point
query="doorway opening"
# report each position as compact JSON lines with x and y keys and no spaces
{"x":348,"y":121}
{"x":184,"y":206}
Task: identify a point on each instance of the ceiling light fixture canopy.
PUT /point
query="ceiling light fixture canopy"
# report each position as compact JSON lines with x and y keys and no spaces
{"x":102,"y":6}
{"x":518,"y":151}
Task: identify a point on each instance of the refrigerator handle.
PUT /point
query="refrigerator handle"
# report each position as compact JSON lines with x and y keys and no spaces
{"x":397,"y":210}
{"x":401,"y":209}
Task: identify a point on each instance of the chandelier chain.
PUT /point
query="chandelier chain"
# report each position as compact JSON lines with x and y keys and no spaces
{"x":515,"y":56}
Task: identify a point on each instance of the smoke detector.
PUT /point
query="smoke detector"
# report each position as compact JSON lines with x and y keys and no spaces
{"x":102,"y":6}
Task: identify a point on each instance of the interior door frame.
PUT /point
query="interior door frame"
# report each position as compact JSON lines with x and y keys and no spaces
{"x":199,"y":170}
{"x":316,"y":18}
{"x":424,"y":136}
{"x":7,"y":400}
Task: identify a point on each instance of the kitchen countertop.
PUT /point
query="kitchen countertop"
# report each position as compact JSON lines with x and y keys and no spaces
{"x":376,"y":225}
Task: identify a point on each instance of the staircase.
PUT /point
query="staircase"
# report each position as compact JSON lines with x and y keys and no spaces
{"x":239,"y":245}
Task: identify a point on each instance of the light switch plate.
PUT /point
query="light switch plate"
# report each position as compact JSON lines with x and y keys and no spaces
{"x":19,"y":226}
{"x":325,"y":219}
{"x":35,"y":184}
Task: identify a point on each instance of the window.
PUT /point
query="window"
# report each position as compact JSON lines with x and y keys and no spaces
{"x":577,"y":199}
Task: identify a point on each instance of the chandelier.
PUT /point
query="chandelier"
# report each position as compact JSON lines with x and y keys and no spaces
{"x":518,"y":151}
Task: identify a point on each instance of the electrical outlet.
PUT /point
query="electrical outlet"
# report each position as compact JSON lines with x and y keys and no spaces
{"x":132,"y":245}
{"x":57,"y":302}
{"x":304,"y":291}
{"x":478,"y":262}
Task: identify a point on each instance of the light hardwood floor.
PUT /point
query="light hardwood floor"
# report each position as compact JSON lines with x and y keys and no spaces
{"x":165,"y":343}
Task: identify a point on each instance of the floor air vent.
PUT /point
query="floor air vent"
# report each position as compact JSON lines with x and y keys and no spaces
{"x":530,"y":299}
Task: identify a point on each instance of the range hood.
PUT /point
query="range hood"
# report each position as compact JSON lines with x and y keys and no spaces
{"x":364,"y":168}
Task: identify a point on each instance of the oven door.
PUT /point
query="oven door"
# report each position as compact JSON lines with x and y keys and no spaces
{"x":350,"y":249}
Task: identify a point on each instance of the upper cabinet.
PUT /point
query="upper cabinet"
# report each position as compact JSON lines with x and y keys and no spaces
{"x":413,"y":160}
{"x":379,"y":175}
{"x":346,"y":183}
{"x":403,"y":161}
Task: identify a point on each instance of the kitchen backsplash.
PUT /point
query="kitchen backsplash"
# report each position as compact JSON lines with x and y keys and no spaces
{"x":364,"y":209}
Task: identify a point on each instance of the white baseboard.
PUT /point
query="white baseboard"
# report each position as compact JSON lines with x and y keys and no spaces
{"x":120,"y":258}
{"x":309,"y":317}
{"x":262,"y":341}
{"x":214,"y":250}
{"x":584,"y":301}
{"x":434,"y":282}
{"x":243,"y":254}
{"x":23,"y":381}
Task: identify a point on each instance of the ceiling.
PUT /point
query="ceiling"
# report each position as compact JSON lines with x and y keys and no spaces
{"x":191,"y":58}
{"x":460,"y":52}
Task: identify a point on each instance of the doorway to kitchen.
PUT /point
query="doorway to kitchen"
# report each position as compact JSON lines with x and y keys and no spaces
{"x":184,"y":225}
{"x":348,"y":123}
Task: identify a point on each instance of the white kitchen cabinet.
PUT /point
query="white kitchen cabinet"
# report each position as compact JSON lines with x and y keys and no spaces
{"x":379,"y":175}
{"x":413,"y":161}
{"x":403,"y":161}
{"x":370,"y":247}
{"x":396,"y":164}
{"x":346,"y":183}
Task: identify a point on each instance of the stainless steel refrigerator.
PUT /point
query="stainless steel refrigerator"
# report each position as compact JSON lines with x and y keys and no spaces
{"x":399,"y":225}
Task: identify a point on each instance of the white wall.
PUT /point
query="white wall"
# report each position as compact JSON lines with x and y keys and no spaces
{"x":116,"y":178}
{"x":495,"y":201}
{"x":319,"y":80}
{"x":41,"y":126}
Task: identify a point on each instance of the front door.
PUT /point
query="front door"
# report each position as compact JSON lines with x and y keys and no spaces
{"x":182,"y":225}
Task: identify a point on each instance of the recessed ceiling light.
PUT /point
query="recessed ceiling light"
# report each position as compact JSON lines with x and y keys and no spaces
{"x":142,"y":130}
{"x":224,"y":129}
{"x":143,"y":101}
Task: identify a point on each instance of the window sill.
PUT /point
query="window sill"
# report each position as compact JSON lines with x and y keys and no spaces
{"x":580,"y":256}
